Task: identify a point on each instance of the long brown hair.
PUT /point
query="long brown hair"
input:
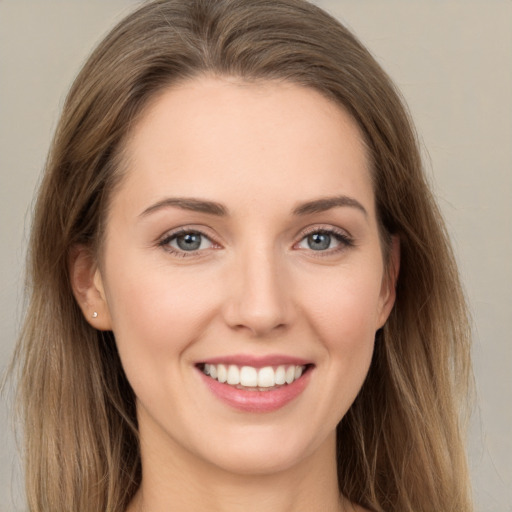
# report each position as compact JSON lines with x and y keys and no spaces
{"x":400,"y":446}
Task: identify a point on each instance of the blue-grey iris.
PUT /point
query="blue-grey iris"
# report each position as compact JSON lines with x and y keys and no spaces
{"x":319,"y":241}
{"x":189,"y":241}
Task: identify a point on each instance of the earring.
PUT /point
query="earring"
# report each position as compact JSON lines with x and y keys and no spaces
{"x":95,"y":315}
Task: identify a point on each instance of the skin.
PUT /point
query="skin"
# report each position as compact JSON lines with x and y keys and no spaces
{"x":255,"y":286}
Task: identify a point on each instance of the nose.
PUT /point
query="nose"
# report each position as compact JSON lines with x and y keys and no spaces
{"x":259,"y":295}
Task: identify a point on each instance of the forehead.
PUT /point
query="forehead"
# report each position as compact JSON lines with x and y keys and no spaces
{"x":276,"y":140}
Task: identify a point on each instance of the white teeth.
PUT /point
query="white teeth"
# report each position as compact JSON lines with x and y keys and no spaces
{"x":233,"y":375}
{"x":250,"y":377}
{"x":280,"y":375}
{"x":222,"y":373}
{"x":290,"y":374}
{"x":266,"y":377}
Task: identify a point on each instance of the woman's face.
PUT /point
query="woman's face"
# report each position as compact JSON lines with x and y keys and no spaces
{"x":243,"y":243}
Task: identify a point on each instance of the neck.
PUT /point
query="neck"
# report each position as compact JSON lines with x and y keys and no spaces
{"x":183,"y":484}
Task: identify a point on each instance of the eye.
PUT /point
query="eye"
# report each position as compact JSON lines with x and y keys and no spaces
{"x":318,"y":241}
{"x":186,"y":242}
{"x":323,"y":240}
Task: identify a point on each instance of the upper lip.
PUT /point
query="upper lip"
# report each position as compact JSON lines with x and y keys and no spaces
{"x":257,"y":361}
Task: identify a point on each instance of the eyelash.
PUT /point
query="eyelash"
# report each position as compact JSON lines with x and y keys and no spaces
{"x":169,"y":237}
{"x":345,"y":241}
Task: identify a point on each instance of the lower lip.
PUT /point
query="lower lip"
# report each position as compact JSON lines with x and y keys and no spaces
{"x":257,"y":401}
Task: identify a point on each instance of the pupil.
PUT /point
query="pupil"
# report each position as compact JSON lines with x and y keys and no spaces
{"x":189,"y":242}
{"x":319,"y":241}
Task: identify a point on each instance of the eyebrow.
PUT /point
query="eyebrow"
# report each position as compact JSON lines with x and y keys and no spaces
{"x":211,"y":207}
{"x":327,"y":203}
{"x":188,"y":203}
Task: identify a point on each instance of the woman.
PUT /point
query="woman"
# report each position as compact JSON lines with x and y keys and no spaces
{"x":242,"y":292}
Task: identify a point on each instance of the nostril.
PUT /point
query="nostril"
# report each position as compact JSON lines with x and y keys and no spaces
{"x":257,"y":301}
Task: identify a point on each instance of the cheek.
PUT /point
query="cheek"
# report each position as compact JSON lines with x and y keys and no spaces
{"x":341,"y":314}
{"x":347,"y":307}
{"x":344,"y":315}
{"x":154,"y":310}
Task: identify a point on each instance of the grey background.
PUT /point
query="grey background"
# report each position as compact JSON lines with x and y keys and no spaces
{"x":453,"y":62}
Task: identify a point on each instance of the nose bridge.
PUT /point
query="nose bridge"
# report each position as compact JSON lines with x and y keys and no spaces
{"x":258,"y":298}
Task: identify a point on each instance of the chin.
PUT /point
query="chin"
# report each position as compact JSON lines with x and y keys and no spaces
{"x":266,"y":452}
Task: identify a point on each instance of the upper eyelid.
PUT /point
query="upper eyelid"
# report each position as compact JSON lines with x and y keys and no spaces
{"x":172,"y":233}
{"x":314,"y":228}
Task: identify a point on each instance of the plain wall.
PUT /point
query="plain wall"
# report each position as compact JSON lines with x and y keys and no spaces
{"x":453,"y":63}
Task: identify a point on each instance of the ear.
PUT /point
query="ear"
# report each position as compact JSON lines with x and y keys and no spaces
{"x":388,"y":287}
{"x":87,"y":285}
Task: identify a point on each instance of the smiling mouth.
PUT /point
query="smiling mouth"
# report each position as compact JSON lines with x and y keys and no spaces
{"x":249,"y":378}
